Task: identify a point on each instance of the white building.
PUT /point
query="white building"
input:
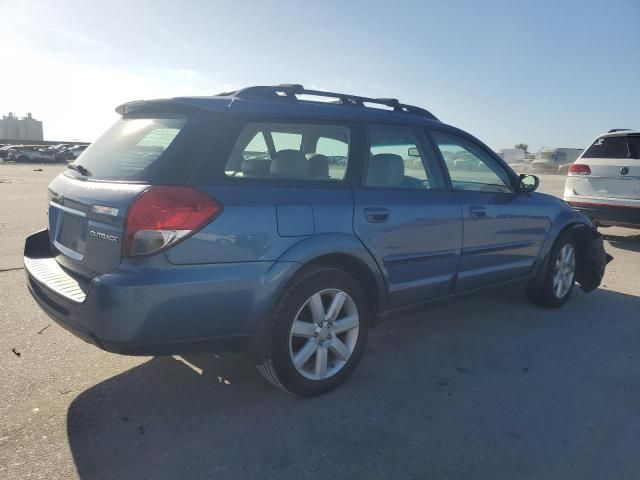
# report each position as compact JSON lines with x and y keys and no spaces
{"x":16,"y":128}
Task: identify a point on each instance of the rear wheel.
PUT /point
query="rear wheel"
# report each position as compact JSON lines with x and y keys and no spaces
{"x":320,"y":328}
{"x":559,"y":277}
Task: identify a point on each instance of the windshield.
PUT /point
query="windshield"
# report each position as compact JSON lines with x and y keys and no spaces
{"x":545,"y":156}
{"x":138,"y":149}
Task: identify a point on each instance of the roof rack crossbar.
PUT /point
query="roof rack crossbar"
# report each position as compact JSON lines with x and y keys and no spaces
{"x":291,"y":90}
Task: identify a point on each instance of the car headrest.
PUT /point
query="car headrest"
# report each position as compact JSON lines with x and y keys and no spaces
{"x":289,"y":164}
{"x":318,"y":166}
{"x":385,"y":170}
{"x":255,"y":168}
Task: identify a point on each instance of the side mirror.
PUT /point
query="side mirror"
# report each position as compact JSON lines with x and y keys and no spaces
{"x":413,"y":152}
{"x":528,"y":183}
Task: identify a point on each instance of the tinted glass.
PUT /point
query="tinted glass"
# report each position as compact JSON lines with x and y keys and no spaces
{"x":470,"y":167}
{"x":397,"y":159}
{"x":135,"y":149}
{"x":290,"y":151}
{"x":634,"y":146}
{"x":613,"y":147}
{"x":256,"y":149}
{"x":286,"y":140}
{"x":336,"y":151}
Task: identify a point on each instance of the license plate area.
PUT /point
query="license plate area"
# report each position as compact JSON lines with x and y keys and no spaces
{"x":624,"y":188}
{"x":71,"y":235}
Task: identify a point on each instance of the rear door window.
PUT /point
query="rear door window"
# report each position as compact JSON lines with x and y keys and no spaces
{"x":290,"y":151}
{"x":398,"y":159}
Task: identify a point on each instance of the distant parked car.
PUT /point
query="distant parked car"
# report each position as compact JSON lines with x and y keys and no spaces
{"x":61,"y":147}
{"x":33,"y":154}
{"x":72,"y":153}
{"x":604,"y":183}
{"x":6,"y":151}
{"x":553,"y":160}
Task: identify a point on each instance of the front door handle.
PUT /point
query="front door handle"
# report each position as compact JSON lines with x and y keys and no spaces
{"x":376,"y":215}
{"x":477,"y":212}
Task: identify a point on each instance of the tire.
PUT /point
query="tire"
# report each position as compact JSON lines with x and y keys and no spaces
{"x":326,"y":342}
{"x":23,"y":159}
{"x":550,"y":295}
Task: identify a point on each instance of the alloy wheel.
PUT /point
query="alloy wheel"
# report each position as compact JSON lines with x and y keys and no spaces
{"x":324,"y":334}
{"x":564,"y":271}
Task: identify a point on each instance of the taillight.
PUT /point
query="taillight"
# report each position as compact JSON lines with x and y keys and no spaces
{"x":579,"y":169}
{"x":161,"y":216}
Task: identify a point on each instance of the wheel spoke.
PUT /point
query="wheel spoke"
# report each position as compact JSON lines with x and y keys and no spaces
{"x":303,"y":329}
{"x":346,"y":323}
{"x":321,"y":362}
{"x":317,"y":309}
{"x":571,"y":257}
{"x":558,"y":286}
{"x":305,"y":353}
{"x":338,"y":347}
{"x":336,"y":306}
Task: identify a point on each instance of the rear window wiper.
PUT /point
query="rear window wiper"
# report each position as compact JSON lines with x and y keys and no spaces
{"x":80,"y":169}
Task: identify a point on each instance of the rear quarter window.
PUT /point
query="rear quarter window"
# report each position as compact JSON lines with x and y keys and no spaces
{"x":290,"y":151}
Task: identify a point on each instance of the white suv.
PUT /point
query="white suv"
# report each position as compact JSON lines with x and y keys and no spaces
{"x":604,"y":182}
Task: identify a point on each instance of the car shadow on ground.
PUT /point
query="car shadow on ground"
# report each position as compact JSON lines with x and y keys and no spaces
{"x":486,"y":387}
{"x":624,"y":242}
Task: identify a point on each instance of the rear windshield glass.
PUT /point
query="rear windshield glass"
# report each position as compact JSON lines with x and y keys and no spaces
{"x":622,"y":146}
{"x":137,"y":149}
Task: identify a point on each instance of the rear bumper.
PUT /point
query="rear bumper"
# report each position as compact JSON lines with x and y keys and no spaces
{"x":608,"y":215}
{"x":144,"y":310}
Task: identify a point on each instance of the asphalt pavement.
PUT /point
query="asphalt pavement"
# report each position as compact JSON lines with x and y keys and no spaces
{"x":485,"y":387}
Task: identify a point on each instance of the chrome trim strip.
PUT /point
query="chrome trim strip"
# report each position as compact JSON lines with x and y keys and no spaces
{"x":496,"y":247}
{"x":67,"y":209}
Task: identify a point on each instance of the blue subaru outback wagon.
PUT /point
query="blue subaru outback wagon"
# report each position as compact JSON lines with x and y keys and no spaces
{"x":284,"y":222}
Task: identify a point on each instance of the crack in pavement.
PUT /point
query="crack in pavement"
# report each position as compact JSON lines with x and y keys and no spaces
{"x":13,"y":269}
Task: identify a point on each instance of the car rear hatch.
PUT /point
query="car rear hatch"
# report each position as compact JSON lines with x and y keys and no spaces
{"x":614,"y":169}
{"x":156,"y":143}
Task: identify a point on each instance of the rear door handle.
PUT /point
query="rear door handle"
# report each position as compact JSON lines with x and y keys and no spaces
{"x":376,"y":215}
{"x":477,"y":212}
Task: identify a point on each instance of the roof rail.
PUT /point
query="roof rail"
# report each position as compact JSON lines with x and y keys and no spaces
{"x":289,"y":91}
{"x":618,"y":130}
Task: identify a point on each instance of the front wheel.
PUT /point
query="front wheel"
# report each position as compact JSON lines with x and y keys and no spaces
{"x":319,"y":332}
{"x":559,"y":277}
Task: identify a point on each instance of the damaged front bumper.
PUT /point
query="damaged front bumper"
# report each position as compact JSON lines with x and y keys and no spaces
{"x":592,"y":257}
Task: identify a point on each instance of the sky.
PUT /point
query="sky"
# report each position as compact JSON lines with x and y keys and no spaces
{"x":544,"y":73}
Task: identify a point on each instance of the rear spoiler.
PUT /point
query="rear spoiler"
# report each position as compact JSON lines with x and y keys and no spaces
{"x":174,"y":105}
